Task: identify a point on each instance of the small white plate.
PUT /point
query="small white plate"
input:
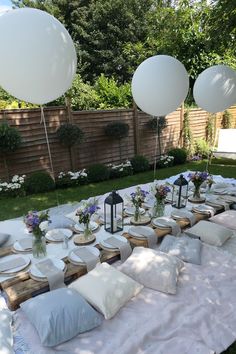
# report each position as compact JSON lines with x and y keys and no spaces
{"x":18,"y":248}
{"x":203,"y":209}
{"x":105,"y":245}
{"x":80,"y":227}
{"x":140,"y":232}
{"x":131,"y":210}
{"x":35,"y":272}
{"x":17,"y":269}
{"x":181,"y":214}
{"x":158,"y":222}
{"x":77,"y":260}
{"x":66,"y":232}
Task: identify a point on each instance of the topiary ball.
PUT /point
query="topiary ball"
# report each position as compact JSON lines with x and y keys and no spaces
{"x":39,"y":182}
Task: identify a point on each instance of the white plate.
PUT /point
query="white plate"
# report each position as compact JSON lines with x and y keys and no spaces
{"x":17,"y":247}
{"x":17,"y":269}
{"x":65,"y":232}
{"x":160,"y":223}
{"x":80,"y":227}
{"x":140,"y":232}
{"x":181,"y":214}
{"x":110,"y":247}
{"x":130,"y":210}
{"x":203,"y":209}
{"x":101,"y":218}
{"x":35,"y":272}
{"x":76,"y":259}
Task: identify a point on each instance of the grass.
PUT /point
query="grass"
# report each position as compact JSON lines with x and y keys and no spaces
{"x":15,"y":207}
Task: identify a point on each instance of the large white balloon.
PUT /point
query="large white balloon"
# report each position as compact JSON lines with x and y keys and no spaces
{"x":215,"y":88}
{"x":160,"y":84}
{"x":38,"y":59}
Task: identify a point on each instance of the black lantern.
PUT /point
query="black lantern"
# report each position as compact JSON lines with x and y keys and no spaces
{"x":180,"y":193}
{"x":113,"y":213}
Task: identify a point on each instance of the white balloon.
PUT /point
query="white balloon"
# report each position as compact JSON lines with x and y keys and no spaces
{"x":215,"y":88}
{"x":160,"y":84}
{"x":38,"y":58}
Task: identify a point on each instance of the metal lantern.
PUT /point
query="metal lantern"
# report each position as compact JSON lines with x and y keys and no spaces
{"x":113,"y":213}
{"x":180,"y":193}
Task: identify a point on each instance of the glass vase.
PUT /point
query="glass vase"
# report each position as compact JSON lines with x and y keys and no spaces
{"x":39,"y":246}
{"x":196,"y":197}
{"x":137,"y":215}
{"x":158,"y":209}
{"x":87,"y":231}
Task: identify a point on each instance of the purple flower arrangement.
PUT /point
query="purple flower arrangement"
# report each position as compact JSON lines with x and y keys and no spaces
{"x":198,"y":178}
{"x":138,"y":197}
{"x":86,"y":211}
{"x":161,"y":192}
{"x":33,"y":220}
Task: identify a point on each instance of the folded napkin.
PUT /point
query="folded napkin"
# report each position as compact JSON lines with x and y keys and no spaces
{"x":57,"y":235}
{"x":54,"y":275}
{"x":185,"y":214}
{"x":217,"y":203}
{"x":87,"y":257}
{"x":124,"y":247}
{"x":150,"y":236}
{"x":25,"y":243}
{"x":13,"y":263}
{"x":175,"y":228}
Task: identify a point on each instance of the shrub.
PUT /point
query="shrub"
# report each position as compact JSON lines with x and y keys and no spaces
{"x":68,"y":179}
{"x":180,"y":155}
{"x":39,"y":182}
{"x":202,"y":148}
{"x":10,"y":138}
{"x":226,"y":120}
{"x":69,"y":134}
{"x":117,"y":130}
{"x":139,"y":163}
{"x":165,"y":161}
{"x":121,"y":170}
{"x":157,"y":124}
{"x":98,"y":172}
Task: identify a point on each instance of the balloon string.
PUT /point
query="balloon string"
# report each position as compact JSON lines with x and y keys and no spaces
{"x":48,"y":145}
{"x":155,"y":161}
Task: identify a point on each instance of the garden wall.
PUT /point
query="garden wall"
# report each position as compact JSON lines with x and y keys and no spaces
{"x":33,"y":154}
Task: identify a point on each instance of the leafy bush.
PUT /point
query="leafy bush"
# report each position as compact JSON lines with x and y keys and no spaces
{"x":139,"y":163}
{"x":117,"y":130}
{"x":98,"y":172}
{"x":10,"y":138}
{"x":69,"y":134}
{"x":69,"y":179}
{"x":165,"y":161}
{"x":226,"y":120}
{"x":157,"y":124}
{"x":39,"y":182}
{"x":202,"y":148}
{"x":180,"y":155}
{"x":121,"y":170}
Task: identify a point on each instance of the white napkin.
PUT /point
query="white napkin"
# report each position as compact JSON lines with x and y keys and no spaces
{"x":185,"y":214}
{"x":149,"y":235}
{"x":124,"y":247}
{"x":11,"y":264}
{"x":54,"y":275}
{"x":57,"y":235}
{"x":175,"y":228}
{"x":87,"y":257}
{"x":25,"y":243}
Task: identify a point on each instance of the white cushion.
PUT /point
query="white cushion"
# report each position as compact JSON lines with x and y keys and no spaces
{"x":6,"y":336}
{"x":106,"y":289}
{"x":185,"y":248}
{"x":210,"y":233}
{"x":153,"y":269}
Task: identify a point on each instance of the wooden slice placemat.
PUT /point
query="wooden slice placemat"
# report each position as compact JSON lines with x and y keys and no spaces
{"x":145,"y":220}
{"x":81,"y":240}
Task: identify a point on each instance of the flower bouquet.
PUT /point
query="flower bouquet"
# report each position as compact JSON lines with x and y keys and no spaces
{"x":197,"y":178}
{"x":160,"y":193}
{"x":137,"y":198}
{"x":84,"y":213}
{"x":37,"y":223}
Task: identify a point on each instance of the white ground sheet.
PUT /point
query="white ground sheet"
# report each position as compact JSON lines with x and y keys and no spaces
{"x":200,"y":318}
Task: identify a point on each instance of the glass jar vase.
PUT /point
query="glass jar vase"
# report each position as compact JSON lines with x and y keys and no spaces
{"x":39,"y":246}
{"x":158,"y":209}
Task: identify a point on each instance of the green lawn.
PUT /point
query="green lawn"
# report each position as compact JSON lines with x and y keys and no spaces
{"x":14,"y":207}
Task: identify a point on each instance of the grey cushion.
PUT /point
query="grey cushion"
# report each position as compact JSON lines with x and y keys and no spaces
{"x":185,"y":248}
{"x":59,"y":315}
{"x":4,"y":238}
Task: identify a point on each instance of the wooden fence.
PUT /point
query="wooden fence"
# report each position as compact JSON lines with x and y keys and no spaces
{"x":33,"y":154}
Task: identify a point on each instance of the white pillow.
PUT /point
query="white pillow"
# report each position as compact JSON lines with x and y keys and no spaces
{"x":153,"y":269}
{"x":6,"y":336}
{"x":106,"y":289}
{"x":210,"y":233}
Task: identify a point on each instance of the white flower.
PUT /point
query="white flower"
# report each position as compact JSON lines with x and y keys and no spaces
{"x":44,"y":225}
{"x":15,"y":178}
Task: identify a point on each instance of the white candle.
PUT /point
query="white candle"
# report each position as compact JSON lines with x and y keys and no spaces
{"x":114,"y":225}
